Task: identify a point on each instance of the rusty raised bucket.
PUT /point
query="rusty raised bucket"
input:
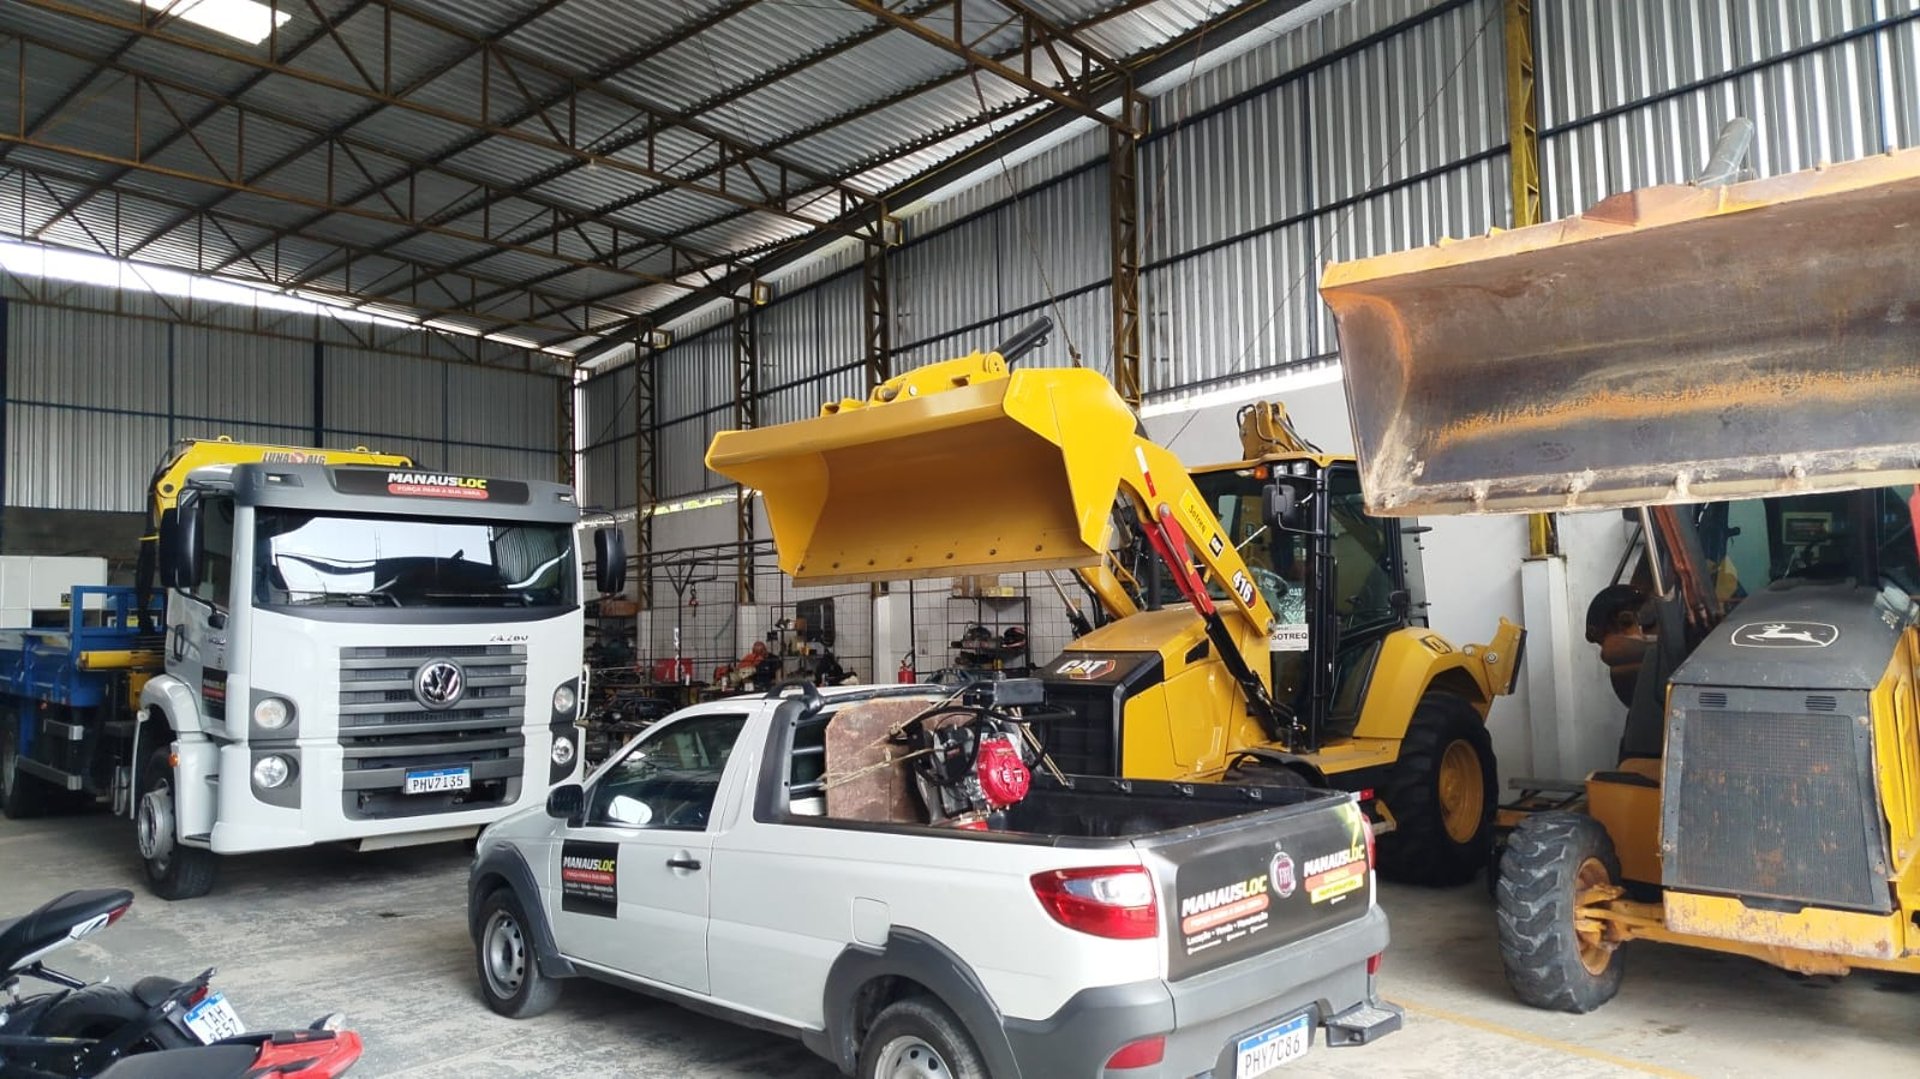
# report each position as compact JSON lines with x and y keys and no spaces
{"x":1672,"y":344}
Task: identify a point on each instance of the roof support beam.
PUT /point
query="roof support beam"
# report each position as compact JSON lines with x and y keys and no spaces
{"x":738,"y":164}
{"x":1077,"y":64}
{"x":559,"y":317}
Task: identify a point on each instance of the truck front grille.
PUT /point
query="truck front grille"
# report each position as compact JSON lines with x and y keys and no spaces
{"x":1765,"y":800}
{"x":386,"y":731}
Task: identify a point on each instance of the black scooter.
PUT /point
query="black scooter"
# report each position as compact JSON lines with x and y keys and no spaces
{"x":80,"y":1030}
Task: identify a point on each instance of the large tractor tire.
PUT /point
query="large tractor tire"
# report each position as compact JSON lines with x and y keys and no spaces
{"x":1555,"y":959}
{"x":1441,"y":794}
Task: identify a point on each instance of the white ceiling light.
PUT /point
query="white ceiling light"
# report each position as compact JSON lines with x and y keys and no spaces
{"x":248,"y":20}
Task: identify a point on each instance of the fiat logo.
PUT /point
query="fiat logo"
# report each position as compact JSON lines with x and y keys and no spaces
{"x":438,"y":683}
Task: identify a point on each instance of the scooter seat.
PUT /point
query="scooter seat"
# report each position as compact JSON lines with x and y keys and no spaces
{"x":30,"y":936}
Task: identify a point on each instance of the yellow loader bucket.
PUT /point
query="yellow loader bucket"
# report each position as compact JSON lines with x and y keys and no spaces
{"x":1675,"y":343}
{"x":955,"y":468}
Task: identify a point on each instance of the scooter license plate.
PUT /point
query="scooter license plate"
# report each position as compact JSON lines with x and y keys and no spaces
{"x":1282,"y":1043}
{"x":213,"y":1019}
{"x":438,"y":779}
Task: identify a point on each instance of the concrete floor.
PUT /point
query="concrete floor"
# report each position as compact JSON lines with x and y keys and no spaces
{"x":383,"y":938}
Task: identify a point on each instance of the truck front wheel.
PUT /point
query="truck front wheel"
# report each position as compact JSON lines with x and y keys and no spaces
{"x":917,"y":1038}
{"x":1442,"y":794}
{"x":173,"y":871}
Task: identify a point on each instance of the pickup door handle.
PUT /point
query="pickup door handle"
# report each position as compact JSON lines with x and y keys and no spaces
{"x":683,"y":863}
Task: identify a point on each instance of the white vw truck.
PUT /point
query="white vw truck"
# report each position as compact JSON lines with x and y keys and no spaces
{"x":386,"y":655}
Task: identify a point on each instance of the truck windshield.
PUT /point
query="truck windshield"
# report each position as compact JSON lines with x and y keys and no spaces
{"x":312,"y":559}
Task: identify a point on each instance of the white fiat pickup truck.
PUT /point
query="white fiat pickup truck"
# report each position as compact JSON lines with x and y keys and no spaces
{"x":1072,"y":926}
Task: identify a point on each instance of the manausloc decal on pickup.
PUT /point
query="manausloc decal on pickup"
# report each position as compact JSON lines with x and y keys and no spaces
{"x":590,"y":878}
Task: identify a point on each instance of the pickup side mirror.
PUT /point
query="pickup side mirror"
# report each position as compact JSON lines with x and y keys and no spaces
{"x":566,"y":802}
{"x":182,"y":546}
{"x":1280,"y":506}
{"x":609,"y":560}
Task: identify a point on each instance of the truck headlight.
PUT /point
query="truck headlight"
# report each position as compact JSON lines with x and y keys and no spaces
{"x":272,"y":713}
{"x":563,"y":698}
{"x":271,"y":771}
{"x":562,"y":751}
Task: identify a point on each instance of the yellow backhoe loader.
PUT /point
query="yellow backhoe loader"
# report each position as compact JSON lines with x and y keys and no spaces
{"x":1345,"y":690}
{"x":1672,"y":346}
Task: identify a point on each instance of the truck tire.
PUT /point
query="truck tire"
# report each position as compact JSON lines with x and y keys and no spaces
{"x":21,"y":796}
{"x":918,"y":1037}
{"x":1442,"y":793}
{"x":99,"y":1011}
{"x":173,"y":871}
{"x":1550,"y":858}
{"x":510,"y":977}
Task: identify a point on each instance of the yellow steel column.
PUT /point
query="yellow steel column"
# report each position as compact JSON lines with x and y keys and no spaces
{"x":1523,"y":151}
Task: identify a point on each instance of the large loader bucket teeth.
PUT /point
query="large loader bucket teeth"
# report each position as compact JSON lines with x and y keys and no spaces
{"x":1671,"y":344}
{"x":915,"y":483}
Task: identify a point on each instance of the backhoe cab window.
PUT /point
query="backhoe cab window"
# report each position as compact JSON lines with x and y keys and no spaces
{"x":309,"y":559}
{"x":1752,"y":543}
{"x":1362,"y":555}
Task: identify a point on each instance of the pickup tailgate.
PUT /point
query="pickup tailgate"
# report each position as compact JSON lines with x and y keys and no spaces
{"x":1250,"y":883}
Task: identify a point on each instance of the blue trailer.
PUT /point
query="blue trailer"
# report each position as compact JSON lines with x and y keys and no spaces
{"x":68,"y":724}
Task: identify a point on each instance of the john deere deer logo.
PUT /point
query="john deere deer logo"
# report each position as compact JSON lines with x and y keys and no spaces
{"x":1786,"y":635}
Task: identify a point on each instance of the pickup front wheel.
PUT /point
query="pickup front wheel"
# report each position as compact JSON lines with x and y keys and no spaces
{"x":510,"y":975}
{"x":917,"y":1038}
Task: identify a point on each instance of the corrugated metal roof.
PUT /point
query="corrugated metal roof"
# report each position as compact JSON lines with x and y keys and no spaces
{"x":486,"y":120}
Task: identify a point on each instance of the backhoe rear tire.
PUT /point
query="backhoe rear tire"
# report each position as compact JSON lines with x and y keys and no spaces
{"x":1441,"y":794}
{"x":1550,"y":859}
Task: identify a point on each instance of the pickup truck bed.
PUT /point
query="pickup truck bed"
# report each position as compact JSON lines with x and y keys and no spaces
{"x":1199,"y":928}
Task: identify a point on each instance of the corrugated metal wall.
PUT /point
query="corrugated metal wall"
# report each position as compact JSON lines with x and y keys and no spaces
{"x":94,"y":397}
{"x":1379,"y":127}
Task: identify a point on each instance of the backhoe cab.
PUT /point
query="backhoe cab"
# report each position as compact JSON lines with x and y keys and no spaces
{"x":1339,"y":687}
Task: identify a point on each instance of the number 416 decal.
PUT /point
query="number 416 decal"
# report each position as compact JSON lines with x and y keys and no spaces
{"x":1242,"y":587}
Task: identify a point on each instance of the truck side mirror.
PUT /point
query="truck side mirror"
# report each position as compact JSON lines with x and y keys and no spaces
{"x":566,"y":801}
{"x":1280,"y":506}
{"x":609,"y":560}
{"x":181,"y":545}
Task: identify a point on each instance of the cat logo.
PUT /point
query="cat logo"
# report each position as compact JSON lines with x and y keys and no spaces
{"x":1085,"y":669}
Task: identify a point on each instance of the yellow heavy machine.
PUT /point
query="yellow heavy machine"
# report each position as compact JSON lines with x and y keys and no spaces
{"x":1674,"y":346}
{"x":1344,"y":687}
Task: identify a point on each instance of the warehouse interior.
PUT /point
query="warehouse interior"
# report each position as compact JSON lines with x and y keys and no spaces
{"x":571,"y":271}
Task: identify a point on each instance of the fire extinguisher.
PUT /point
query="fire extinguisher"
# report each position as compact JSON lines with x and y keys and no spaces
{"x":906,"y":675}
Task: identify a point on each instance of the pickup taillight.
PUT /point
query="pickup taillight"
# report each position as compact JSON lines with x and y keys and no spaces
{"x":1110,"y":901}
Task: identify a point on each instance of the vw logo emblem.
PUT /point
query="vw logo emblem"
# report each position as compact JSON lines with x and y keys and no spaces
{"x":438,"y":683}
